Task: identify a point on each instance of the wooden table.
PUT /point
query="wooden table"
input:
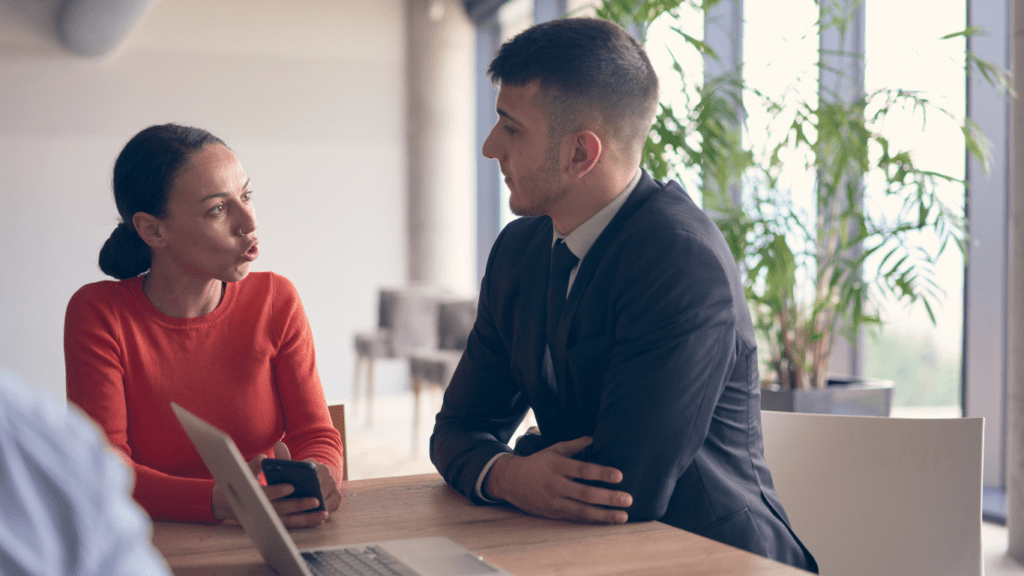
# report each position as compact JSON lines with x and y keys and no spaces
{"x":410,"y":506}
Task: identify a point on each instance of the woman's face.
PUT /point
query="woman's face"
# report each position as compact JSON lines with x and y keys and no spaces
{"x":210,"y":222}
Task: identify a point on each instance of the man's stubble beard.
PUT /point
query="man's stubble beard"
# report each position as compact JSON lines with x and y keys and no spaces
{"x":544,"y":186}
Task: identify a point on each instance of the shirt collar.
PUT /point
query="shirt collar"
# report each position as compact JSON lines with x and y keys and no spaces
{"x":583,"y":237}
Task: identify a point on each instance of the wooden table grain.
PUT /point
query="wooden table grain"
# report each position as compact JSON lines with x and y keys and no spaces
{"x":411,"y":506}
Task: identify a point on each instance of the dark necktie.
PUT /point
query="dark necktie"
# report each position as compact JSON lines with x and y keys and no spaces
{"x":562,"y":263}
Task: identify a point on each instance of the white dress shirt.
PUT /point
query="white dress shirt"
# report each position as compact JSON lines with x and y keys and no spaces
{"x":579,"y":242}
{"x":65,"y":495}
{"x":583,"y":237}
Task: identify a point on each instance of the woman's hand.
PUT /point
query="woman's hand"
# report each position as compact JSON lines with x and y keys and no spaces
{"x":294,"y":512}
{"x":328,"y":486}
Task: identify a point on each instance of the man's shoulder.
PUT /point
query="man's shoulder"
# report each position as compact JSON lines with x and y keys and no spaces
{"x":668,"y":203}
{"x":666,"y":226}
{"x":663,"y":212}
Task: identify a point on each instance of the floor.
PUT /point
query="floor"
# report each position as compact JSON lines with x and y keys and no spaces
{"x":384,"y":447}
{"x":994,"y":541}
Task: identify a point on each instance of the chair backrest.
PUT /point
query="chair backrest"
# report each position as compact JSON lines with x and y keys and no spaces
{"x":338,"y":419}
{"x":410,"y":313}
{"x":880,"y":496}
{"x":455,"y":322}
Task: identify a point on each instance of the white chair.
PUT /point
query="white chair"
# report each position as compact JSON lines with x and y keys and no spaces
{"x":880,"y":496}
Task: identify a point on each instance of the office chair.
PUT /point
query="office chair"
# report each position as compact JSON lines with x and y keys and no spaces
{"x":407,"y":319}
{"x":880,"y":496}
{"x":338,"y":420}
{"x":434,"y":367}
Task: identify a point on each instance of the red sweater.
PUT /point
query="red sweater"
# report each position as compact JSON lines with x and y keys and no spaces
{"x":248,"y":368}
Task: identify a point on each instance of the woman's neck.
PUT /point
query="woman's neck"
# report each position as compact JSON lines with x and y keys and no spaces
{"x":180,"y":296}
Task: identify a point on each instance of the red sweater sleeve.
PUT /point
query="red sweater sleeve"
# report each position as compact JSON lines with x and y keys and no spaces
{"x":93,"y":346}
{"x":248,"y":368}
{"x":309,"y":432}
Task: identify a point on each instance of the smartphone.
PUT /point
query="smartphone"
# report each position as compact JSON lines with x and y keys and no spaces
{"x":301,"y":475}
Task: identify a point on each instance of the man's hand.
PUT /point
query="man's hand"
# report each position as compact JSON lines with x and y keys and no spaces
{"x":544,"y":484}
{"x":294,"y":512}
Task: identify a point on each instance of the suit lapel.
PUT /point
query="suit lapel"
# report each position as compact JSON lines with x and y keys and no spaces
{"x":532,"y":315}
{"x":644,"y":190}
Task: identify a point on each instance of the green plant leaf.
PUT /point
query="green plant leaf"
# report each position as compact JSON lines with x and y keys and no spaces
{"x":807,"y":275}
{"x":969,"y":31}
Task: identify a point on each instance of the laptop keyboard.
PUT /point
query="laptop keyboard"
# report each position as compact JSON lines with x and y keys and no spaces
{"x":356,"y":561}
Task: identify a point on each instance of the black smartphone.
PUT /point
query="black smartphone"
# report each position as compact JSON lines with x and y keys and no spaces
{"x":301,"y":475}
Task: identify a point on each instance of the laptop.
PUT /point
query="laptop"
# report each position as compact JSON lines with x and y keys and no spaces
{"x":430,"y":556}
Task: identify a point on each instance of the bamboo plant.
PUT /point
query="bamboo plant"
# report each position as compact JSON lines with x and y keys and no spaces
{"x":812,"y":273}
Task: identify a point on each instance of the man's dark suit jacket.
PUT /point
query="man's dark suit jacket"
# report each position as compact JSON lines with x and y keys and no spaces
{"x":656,"y":352}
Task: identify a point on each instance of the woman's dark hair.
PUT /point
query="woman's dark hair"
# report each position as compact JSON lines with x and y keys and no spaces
{"x":143,"y":174}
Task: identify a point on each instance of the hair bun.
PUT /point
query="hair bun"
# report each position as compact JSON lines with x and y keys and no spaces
{"x":124,"y":254}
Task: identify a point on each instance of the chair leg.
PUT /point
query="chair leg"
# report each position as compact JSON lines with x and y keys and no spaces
{"x":369,"y":394}
{"x":417,"y":385}
{"x":355,"y":385}
{"x":436,"y":397}
{"x":433,"y":406}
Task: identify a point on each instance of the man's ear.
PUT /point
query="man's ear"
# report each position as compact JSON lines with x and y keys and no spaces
{"x":586,"y":152}
{"x":150,"y":229}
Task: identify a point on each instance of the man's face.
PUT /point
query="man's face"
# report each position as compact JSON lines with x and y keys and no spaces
{"x":528,"y":158}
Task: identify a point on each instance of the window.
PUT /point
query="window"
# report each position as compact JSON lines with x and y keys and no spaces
{"x":924,"y":359}
{"x":513,"y":17}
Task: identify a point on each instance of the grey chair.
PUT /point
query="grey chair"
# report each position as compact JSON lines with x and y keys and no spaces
{"x":434,"y":367}
{"x":407,"y":320}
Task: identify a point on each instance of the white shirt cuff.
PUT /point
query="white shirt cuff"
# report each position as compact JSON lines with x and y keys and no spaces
{"x":479,"y":489}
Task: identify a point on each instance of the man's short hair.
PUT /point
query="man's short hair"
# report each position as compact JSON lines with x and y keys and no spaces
{"x":589,"y":69}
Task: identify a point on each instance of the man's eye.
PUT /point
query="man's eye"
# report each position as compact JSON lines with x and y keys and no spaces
{"x":509,"y":129}
{"x":247,"y":196}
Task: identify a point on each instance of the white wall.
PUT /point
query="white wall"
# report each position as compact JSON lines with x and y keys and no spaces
{"x":309,"y":94}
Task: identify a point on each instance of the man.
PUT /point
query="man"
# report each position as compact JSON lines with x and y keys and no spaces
{"x":65,"y":495}
{"x":614,"y":310}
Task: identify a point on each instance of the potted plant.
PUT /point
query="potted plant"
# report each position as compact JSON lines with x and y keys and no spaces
{"x":812,"y":272}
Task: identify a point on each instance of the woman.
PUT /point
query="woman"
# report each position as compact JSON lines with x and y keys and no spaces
{"x":188,"y":323}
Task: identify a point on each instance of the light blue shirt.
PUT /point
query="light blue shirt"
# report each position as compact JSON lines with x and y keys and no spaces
{"x":65,"y":495}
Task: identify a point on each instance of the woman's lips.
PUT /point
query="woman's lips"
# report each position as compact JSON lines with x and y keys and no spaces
{"x":252,"y":253}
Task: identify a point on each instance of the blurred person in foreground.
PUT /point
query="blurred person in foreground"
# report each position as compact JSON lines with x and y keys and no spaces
{"x":65,"y":495}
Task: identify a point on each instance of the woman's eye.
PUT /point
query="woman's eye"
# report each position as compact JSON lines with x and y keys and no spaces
{"x":217,"y":209}
{"x":247,"y":196}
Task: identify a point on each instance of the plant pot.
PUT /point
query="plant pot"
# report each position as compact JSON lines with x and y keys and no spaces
{"x":844,"y":395}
